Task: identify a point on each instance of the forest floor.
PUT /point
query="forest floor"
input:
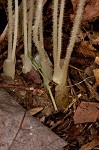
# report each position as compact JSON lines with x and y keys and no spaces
{"x":78,"y":124}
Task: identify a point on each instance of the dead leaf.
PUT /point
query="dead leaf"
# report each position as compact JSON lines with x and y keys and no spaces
{"x":87,"y":49}
{"x":91,"y":145}
{"x":97,"y":60}
{"x":34,"y":111}
{"x":88,"y":71}
{"x":86,"y":112}
{"x":96,"y":74}
{"x":75,"y":130}
{"x":91,"y":9}
{"x":34,"y":76}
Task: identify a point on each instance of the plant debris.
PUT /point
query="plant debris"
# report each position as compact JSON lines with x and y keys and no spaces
{"x":86,"y":112}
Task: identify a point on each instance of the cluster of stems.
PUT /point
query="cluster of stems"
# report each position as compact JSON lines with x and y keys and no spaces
{"x":27,"y":30}
{"x":61,"y":72}
{"x":45,"y":63}
{"x":38,"y":40}
{"x":34,"y":27}
{"x":9,"y":63}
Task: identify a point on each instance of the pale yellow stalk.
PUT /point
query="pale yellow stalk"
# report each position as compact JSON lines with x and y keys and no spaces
{"x":55,"y":29}
{"x":31,"y":15}
{"x":75,"y":29}
{"x":38,"y":40}
{"x":61,"y":94}
{"x":9,"y":29}
{"x":9,"y":63}
{"x":25,"y":26}
{"x":60,"y":32}
{"x":15,"y":30}
{"x":40,"y":47}
{"x":46,"y":65}
{"x":57,"y":76}
{"x":27,"y":65}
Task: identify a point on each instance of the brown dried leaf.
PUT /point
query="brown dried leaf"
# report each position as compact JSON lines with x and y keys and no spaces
{"x":87,"y":49}
{"x":34,"y":76}
{"x":96,"y":74}
{"x":86,"y":112}
{"x":90,"y":145}
{"x":97,"y":60}
{"x":34,"y":111}
{"x":91,"y":9}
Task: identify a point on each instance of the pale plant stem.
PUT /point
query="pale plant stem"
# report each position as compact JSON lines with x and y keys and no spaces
{"x":36,"y":29}
{"x":15,"y":30}
{"x":20,"y":19}
{"x":46,"y":68}
{"x":60,"y":32}
{"x":52,"y":98}
{"x":25,"y":26}
{"x":41,"y":32}
{"x":76,"y":26}
{"x":3,"y":35}
{"x":44,"y":59}
{"x":61,"y":90}
{"x":9,"y":63}
{"x":36,"y":24}
{"x":57,"y":76}
{"x":55,"y":22}
{"x":30,"y":25}
{"x":9,"y":29}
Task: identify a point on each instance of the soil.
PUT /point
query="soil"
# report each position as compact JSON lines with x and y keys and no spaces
{"x":31,"y":93}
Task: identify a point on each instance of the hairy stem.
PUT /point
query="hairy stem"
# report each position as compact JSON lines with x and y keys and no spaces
{"x":36,"y":28}
{"x":38,"y":40}
{"x":57,"y":76}
{"x":25,"y":26}
{"x":15,"y":30}
{"x":55,"y":22}
{"x":76,"y":26}
{"x":9,"y":29}
{"x":61,"y":94}
{"x":30,"y":25}
{"x":60,"y":31}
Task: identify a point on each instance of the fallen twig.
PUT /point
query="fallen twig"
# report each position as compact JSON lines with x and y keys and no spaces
{"x":4,"y":85}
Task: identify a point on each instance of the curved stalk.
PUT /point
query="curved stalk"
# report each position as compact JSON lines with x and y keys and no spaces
{"x":75,"y":29}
